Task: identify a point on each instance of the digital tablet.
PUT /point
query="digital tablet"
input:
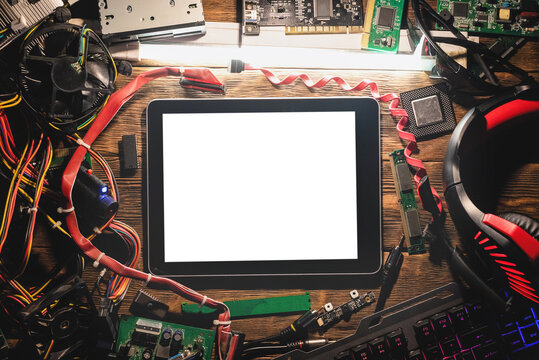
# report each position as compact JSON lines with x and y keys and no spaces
{"x":273,"y":187}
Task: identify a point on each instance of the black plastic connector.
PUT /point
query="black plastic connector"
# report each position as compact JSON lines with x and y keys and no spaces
{"x":145,"y":305}
{"x":299,"y":328}
{"x":91,"y":196}
{"x":236,"y":66}
{"x":128,"y":155}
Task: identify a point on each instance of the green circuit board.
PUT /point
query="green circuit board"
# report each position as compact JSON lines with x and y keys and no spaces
{"x":415,"y":243}
{"x":502,"y":17}
{"x":146,"y":339}
{"x":383,"y":20}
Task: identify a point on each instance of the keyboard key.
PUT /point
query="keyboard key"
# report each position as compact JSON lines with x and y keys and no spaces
{"x":527,"y":319}
{"x":508,"y":327}
{"x":513,"y":340}
{"x":363,"y":352}
{"x":415,"y":355}
{"x":345,"y":355}
{"x":459,"y":318}
{"x":424,"y":333}
{"x":379,"y":348}
{"x":530,"y":334}
{"x":476,"y":313}
{"x":488,"y":351}
{"x":450,"y":347}
{"x":397,"y":342}
{"x":442,"y":326}
{"x":433,"y":353}
{"x":530,"y":352}
{"x":474,"y":337}
{"x":465,"y":355}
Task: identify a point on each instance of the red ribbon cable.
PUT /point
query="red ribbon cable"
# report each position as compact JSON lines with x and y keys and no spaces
{"x":392,"y":98}
{"x":116,"y":101}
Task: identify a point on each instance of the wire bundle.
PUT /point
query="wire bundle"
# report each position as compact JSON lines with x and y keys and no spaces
{"x":458,"y":76}
{"x":116,"y":101}
{"x":118,"y":285}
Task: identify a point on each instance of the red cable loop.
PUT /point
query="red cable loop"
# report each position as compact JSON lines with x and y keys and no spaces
{"x":392,"y":98}
{"x":116,"y":101}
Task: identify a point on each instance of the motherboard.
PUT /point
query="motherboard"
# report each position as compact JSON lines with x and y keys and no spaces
{"x":145,"y":339}
{"x":303,"y":16}
{"x":503,"y":17}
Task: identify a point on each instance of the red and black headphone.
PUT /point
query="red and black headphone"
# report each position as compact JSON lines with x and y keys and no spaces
{"x":508,"y":244}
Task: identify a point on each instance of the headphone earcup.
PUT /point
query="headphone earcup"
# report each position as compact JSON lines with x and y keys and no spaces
{"x":526,"y":223}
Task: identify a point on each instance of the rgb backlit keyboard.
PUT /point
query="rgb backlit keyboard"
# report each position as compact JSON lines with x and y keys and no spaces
{"x":438,"y":325}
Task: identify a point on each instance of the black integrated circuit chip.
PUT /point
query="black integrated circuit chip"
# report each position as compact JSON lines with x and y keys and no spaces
{"x":482,"y":17}
{"x":430,"y":111}
{"x":460,"y":9}
{"x":386,"y":17}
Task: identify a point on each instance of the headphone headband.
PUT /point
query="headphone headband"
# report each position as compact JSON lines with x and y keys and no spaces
{"x":511,"y":252}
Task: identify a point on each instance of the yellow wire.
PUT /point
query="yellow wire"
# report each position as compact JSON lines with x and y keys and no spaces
{"x":10,"y":100}
{"x":16,"y":98}
{"x":51,"y":220}
{"x":31,"y":31}
{"x":39,"y":187}
{"x":13,"y":181}
{"x":27,"y":181}
{"x":3,"y":30}
{"x":12,"y":105}
{"x":49,"y":350}
{"x":22,"y":290}
{"x":42,"y":287}
{"x":22,"y":298}
{"x":110,"y":56}
{"x":83,"y":45}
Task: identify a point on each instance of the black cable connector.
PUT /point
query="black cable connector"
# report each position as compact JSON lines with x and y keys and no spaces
{"x":390,"y":271}
{"x":236,"y":66}
{"x":299,"y":328}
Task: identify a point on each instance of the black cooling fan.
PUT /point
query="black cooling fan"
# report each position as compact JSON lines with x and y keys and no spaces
{"x":66,"y":74}
{"x":65,"y":318}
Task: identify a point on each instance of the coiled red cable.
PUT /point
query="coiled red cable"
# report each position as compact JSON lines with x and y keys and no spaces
{"x":391,"y":98}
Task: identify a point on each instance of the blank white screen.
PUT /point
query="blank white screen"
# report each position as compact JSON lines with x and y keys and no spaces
{"x":260,"y":186}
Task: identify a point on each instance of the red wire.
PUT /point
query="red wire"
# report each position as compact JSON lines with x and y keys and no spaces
{"x":114,"y":104}
{"x":392,"y":98}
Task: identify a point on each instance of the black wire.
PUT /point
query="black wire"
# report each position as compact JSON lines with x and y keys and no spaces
{"x":264,"y":350}
{"x":13,"y":93}
{"x":421,"y":10}
{"x":480,"y":48}
{"x":257,"y":342}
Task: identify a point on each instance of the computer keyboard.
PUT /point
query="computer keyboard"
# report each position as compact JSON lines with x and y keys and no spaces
{"x":438,"y":325}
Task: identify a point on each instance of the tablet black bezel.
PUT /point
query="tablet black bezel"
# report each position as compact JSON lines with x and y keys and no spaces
{"x":368,"y":189}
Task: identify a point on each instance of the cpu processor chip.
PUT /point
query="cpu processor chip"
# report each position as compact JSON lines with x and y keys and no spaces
{"x":430,"y":111}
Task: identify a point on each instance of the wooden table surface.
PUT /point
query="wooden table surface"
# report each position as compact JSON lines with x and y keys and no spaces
{"x":418,"y":274}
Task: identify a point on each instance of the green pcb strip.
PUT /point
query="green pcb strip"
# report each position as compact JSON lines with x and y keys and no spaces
{"x":145,"y":339}
{"x":503,"y":17}
{"x":257,"y":307}
{"x":382,"y":25}
{"x":408,"y":207}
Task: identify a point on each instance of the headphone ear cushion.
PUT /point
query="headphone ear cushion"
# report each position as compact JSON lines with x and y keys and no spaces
{"x":526,"y":223}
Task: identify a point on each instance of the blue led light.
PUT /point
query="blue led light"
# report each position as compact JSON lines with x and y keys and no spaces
{"x":104,"y":189}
